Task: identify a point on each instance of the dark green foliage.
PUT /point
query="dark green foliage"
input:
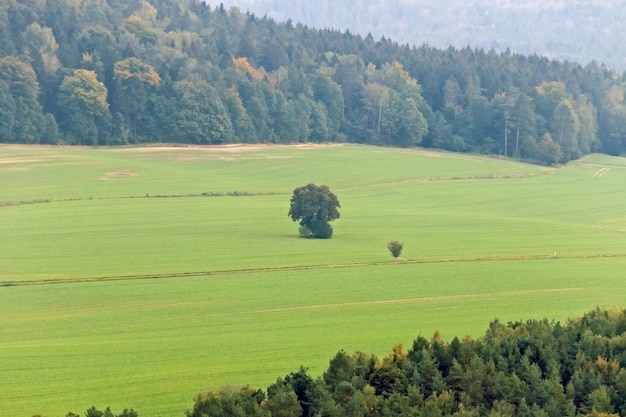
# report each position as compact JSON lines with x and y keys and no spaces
{"x":6,"y":47}
{"x":94,"y":412}
{"x":200,"y":114}
{"x":314,"y":206}
{"x":341,"y":369}
{"x":304,"y":388}
{"x":83,"y":100}
{"x":48,"y":129}
{"x":230,"y":402}
{"x":7,"y":113}
{"x":282,"y":401}
{"x":395,"y":248}
{"x":19,"y":106}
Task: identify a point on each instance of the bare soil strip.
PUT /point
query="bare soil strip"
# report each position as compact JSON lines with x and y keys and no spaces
{"x":231,"y":148}
{"x":118,"y":174}
{"x":601,"y":172}
{"x":297,"y":268}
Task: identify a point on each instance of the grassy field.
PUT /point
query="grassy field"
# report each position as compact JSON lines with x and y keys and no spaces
{"x":139,"y":277}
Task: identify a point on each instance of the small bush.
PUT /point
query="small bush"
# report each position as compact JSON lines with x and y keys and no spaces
{"x":305,"y":232}
{"x":322,"y":231}
{"x":395,"y":248}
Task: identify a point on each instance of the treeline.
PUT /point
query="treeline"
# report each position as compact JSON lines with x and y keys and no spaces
{"x":581,"y":31}
{"x":535,"y":368}
{"x":112,"y":72}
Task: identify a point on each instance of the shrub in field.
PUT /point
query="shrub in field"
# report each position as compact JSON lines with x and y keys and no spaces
{"x":395,"y":248}
{"x":304,"y":231}
{"x":314,"y":206}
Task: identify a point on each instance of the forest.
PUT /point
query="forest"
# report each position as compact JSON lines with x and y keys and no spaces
{"x":573,"y":30}
{"x":113,"y":72}
{"x":533,"y":368}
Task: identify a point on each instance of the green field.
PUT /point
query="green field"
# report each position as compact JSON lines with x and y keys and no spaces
{"x":139,"y":277}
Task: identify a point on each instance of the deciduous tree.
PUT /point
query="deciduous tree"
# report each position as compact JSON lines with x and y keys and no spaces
{"x":315,"y":206}
{"x":200,"y":113}
{"x":20,"y":107}
{"x":135,"y":81}
{"x":82,"y":100}
{"x":230,"y":402}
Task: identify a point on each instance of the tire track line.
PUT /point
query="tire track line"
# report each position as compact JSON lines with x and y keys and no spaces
{"x":195,"y":274}
{"x":444,"y":298}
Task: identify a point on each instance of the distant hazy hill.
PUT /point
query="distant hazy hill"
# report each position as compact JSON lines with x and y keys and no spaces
{"x":574,"y":30}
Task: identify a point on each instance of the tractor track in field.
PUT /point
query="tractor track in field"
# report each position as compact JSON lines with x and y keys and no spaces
{"x":414,"y":300}
{"x":196,"y":274}
{"x":130,"y":197}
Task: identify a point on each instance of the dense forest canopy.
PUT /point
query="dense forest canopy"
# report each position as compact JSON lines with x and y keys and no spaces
{"x":111,"y":72}
{"x":574,"y":30}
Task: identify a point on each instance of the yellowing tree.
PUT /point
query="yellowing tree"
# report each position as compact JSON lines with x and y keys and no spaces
{"x":82,"y":92}
{"x":82,"y":99}
{"x":132,"y":68}
{"x":135,"y":81}
{"x":242,"y":64}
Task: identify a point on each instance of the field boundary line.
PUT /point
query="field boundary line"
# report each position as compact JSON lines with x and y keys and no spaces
{"x":195,"y":274}
{"x":189,"y":195}
{"x":236,"y":193}
{"x":444,"y":179}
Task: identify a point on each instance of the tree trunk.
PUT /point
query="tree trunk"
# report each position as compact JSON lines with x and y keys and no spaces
{"x":517,"y":137}
{"x":506,"y":134}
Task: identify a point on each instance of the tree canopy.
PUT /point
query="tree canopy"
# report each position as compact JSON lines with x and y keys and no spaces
{"x":314,"y":206}
{"x":181,"y":71}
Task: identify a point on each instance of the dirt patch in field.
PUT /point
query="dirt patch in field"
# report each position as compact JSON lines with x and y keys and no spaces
{"x":20,"y":160}
{"x":232,"y":148}
{"x":13,"y":169}
{"x":32,"y":159}
{"x":117,"y":174}
{"x":447,"y":155}
{"x":226,"y":153}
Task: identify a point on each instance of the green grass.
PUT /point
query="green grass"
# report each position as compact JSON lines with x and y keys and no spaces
{"x":121,"y":284}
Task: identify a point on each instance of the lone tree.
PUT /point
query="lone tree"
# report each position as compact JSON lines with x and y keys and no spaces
{"x":395,"y":248}
{"x":314,"y":206}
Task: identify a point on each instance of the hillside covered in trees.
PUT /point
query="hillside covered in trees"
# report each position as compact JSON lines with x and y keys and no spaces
{"x":534,"y":368}
{"x":574,"y":30}
{"x":111,"y":72}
